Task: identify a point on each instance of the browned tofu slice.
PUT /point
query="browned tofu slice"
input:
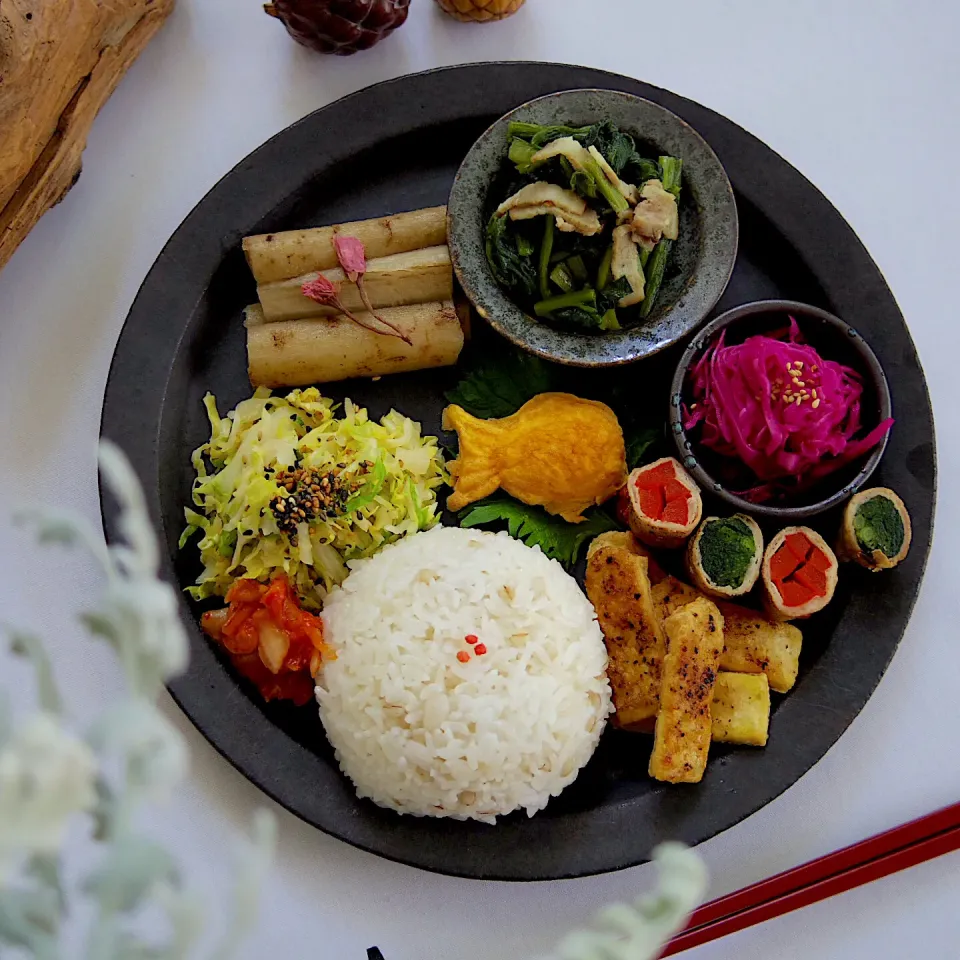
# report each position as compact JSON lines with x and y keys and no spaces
{"x":757,"y":645}
{"x":740,"y":712}
{"x":683,"y":732}
{"x":625,"y":539}
{"x":670,"y":594}
{"x":753,"y":644}
{"x":619,"y":589}
{"x":622,"y":539}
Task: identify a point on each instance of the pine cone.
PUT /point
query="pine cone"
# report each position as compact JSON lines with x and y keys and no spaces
{"x":341,"y":27}
{"x":480,"y":10}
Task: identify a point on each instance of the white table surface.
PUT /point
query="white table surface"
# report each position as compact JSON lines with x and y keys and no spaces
{"x":861,"y":96}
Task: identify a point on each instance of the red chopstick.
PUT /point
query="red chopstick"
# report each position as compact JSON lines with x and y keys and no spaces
{"x":879,"y":856}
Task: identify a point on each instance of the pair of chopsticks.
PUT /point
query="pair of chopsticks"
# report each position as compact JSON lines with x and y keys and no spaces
{"x":886,"y":853}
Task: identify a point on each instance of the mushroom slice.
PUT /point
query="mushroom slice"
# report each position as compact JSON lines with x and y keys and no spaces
{"x":656,"y":215}
{"x":544,"y":194}
{"x":630,"y":192}
{"x":626,"y":263}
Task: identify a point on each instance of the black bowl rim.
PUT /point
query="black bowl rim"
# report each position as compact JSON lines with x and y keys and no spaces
{"x":629,"y":354}
{"x":686,"y":448}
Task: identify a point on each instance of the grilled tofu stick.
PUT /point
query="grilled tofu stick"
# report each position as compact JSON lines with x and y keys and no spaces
{"x":753,"y":644}
{"x":740,"y":712}
{"x":757,"y":645}
{"x":625,"y":539}
{"x":619,"y":589}
{"x":684,"y":725}
{"x":670,"y":594}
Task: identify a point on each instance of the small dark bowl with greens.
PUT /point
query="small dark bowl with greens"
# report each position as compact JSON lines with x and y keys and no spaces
{"x":592,"y":227}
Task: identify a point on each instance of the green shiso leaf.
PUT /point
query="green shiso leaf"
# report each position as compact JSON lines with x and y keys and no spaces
{"x":557,"y":538}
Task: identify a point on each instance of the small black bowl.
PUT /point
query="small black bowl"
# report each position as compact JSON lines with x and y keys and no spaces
{"x":835,"y":340}
{"x":701,"y":262}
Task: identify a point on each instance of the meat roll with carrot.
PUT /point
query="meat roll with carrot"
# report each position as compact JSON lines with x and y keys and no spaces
{"x":799,"y":574}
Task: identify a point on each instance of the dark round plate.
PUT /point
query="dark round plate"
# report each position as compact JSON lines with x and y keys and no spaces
{"x":184,"y":336}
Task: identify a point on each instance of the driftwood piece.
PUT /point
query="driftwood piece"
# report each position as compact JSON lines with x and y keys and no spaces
{"x":59,"y":62}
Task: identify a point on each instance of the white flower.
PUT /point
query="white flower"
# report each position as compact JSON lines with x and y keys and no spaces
{"x":46,"y":776}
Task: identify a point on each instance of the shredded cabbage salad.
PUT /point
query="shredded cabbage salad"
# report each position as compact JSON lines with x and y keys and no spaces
{"x":386,"y":474}
{"x":780,"y":408}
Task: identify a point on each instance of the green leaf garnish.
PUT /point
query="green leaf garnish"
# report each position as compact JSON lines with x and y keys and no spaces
{"x":499,"y":387}
{"x":639,"y":440}
{"x":557,"y":538}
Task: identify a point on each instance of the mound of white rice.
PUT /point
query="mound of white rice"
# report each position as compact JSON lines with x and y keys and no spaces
{"x":420,"y":732}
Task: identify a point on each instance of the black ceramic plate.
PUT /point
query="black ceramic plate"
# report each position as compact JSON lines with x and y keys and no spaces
{"x":183,"y":337}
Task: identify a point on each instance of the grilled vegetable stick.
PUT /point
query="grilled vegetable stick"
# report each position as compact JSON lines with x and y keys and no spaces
{"x":420,"y":276}
{"x":279,"y":256}
{"x":753,"y":644}
{"x":618,"y":587}
{"x":615,"y":539}
{"x":296,"y":353}
{"x":670,"y":594}
{"x":681,"y":740}
{"x":628,"y":541}
{"x":757,"y":645}
{"x":740,"y":712}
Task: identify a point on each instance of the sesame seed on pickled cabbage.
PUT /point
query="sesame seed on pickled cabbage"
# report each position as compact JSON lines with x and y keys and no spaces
{"x":387,"y":471}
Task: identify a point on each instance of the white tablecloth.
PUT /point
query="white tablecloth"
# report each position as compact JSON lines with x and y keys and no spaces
{"x":862,"y":96}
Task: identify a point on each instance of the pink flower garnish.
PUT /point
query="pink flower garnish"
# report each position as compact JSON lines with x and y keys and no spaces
{"x":327,"y":293}
{"x":353,"y":260}
{"x":352,"y":256}
{"x":324,"y":291}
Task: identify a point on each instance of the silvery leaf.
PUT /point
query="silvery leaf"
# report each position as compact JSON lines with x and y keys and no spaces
{"x":30,"y":919}
{"x":640,"y":931}
{"x":64,"y":528}
{"x":45,"y":869}
{"x":105,"y":811}
{"x":6,"y":719}
{"x":29,"y":645}
{"x":143,"y":553}
{"x":254,"y":861}
{"x":154,"y":753}
{"x":140,"y":620}
{"x":132,"y":867}
{"x":127,"y":946}
{"x":185,"y":915}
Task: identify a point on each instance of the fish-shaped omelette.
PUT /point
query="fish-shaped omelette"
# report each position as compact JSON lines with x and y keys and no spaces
{"x":557,"y":451}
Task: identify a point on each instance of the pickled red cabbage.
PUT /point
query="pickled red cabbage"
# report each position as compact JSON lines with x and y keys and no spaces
{"x":780,"y":408}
